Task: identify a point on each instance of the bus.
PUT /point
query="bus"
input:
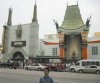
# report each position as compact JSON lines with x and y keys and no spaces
{"x":84,"y":63}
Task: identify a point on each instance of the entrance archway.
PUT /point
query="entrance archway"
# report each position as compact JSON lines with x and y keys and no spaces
{"x":18,"y":56}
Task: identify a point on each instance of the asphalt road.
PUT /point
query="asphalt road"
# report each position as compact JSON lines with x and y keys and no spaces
{"x":23,"y":76}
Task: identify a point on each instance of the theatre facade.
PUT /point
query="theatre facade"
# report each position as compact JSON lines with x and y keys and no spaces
{"x":20,"y":42}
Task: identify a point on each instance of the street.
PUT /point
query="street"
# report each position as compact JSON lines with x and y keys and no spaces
{"x":23,"y":76}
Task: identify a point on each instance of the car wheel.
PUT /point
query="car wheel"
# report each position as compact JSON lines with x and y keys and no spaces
{"x":39,"y":69}
{"x":72,"y":70}
{"x":26,"y":68}
{"x":97,"y":72}
{"x":80,"y":71}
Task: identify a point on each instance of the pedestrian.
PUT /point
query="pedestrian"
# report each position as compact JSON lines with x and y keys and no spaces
{"x":46,"y":78}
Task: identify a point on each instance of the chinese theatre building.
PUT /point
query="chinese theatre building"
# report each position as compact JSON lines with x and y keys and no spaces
{"x":19,"y":42}
{"x":73,"y":35}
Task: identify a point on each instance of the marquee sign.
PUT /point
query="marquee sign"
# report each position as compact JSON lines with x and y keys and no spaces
{"x":18,"y":43}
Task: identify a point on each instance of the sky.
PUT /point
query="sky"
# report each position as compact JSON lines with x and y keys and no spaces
{"x":47,"y":10}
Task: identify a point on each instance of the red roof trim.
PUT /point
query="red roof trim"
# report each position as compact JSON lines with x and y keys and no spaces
{"x":98,"y":41}
{"x":50,"y":43}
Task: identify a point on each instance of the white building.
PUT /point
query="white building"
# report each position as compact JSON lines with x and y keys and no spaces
{"x":51,"y":47}
{"x":41,"y":48}
{"x":20,"y":41}
{"x":93,"y":47}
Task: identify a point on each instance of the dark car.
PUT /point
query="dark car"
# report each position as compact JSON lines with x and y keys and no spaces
{"x":5,"y":65}
{"x":12,"y":65}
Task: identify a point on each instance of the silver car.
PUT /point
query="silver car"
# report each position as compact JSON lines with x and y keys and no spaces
{"x":36,"y":66}
{"x":89,"y":69}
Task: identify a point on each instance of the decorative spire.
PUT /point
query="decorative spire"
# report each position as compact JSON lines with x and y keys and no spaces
{"x":77,"y":2}
{"x":67,"y":4}
{"x":88,"y":21}
{"x":57,"y":25}
{"x":9,"y":17}
{"x":35,"y":13}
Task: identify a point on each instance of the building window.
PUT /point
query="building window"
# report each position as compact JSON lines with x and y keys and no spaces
{"x":94,"y":50}
{"x":54,"y":51}
{"x":50,"y":36}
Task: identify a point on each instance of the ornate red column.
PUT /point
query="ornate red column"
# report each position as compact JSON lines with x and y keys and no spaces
{"x":61,"y":45}
{"x":84,"y":44}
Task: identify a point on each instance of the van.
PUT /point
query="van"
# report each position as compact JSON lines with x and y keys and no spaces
{"x":84,"y":63}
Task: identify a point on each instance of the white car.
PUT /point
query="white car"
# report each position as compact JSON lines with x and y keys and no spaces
{"x":36,"y":66}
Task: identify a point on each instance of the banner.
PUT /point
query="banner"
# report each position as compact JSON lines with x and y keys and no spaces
{"x":61,"y":39}
{"x":84,"y":36}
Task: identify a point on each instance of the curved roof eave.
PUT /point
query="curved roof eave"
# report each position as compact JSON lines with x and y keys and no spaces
{"x":74,"y":28}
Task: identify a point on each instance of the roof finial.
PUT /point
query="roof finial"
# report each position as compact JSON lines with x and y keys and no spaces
{"x":77,"y":2}
{"x":56,"y":23}
{"x":67,"y":3}
{"x":88,"y":21}
{"x":35,"y":1}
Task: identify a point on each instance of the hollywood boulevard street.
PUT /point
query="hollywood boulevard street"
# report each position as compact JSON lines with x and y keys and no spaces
{"x":23,"y":76}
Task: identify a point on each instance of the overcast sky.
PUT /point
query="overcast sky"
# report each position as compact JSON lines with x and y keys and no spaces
{"x":48,"y":10}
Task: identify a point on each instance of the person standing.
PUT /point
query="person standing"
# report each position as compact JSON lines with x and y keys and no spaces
{"x":46,"y":78}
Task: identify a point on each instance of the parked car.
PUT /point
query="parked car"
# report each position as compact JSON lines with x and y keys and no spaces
{"x":59,"y":67}
{"x":9,"y":65}
{"x":84,"y":63}
{"x":89,"y":69}
{"x":36,"y":66}
{"x":14,"y":65}
{"x":5,"y":65}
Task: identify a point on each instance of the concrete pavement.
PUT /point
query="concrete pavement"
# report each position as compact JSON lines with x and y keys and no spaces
{"x":23,"y":76}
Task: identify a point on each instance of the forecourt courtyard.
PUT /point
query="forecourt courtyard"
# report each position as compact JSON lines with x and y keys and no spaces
{"x":23,"y":76}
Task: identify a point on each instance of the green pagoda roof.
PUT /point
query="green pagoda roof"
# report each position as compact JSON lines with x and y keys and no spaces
{"x":72,"y":19}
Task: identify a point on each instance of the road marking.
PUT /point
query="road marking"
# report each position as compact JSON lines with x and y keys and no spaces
{"x":64,"y":81}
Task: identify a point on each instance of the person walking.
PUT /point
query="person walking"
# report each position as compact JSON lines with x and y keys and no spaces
{"x":46,"y":78}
